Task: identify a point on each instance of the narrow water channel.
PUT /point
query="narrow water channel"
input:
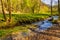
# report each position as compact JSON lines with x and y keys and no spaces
{"x":44,"y":25}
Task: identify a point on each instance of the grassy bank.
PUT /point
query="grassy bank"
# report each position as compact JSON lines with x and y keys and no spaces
{"x":26,"y":17}
{"x":4,"y":32}
{"x":19,"y":19}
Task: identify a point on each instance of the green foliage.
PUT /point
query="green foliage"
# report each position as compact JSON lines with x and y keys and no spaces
{"x":28,"y":6}
{"x":4,"y":32}
{"x":19,"y":17}
{"x":25,"y":16}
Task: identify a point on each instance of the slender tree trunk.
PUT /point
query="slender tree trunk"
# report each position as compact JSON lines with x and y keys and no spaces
{"x":51,"y":7}
{"x":40,"y":5}
{"x":32,"y":9}
{"x":59,"y":8}
{"x":9,"y":9}
{"x":3,"y":10}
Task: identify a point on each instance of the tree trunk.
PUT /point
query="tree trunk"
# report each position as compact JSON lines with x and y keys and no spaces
{"x":59,"y":7}
{"x":9,"y":9}
{"x":40,"y":5}
{"x":3,"y":10}
{"x":51,"y":7}
{"x":32,"y":9}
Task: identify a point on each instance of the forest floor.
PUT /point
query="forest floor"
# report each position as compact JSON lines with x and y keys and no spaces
{"x":52,"y":33}
{"x":19,"y":22}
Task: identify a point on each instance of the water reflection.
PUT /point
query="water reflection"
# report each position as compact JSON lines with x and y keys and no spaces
{"x":46,"y":23}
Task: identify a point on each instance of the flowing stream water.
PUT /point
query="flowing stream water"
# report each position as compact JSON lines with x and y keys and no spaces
{"x":44,"y":25}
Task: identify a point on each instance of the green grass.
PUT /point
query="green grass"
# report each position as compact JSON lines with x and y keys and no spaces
{"x":4,"y":32}
{"x":26,"y":17}
{"x":19,"y":17}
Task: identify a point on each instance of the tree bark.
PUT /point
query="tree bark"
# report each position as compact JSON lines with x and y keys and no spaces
{"x":9,"y":9}
{"x":3,"y":10}
{"x":32,"y":9}
{"x":59,"y":7}
{"x":51,"y":8}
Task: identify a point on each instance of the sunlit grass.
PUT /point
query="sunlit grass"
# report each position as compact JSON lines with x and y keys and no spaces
{"x":19,"y":17}
{"x":4,"y":32}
